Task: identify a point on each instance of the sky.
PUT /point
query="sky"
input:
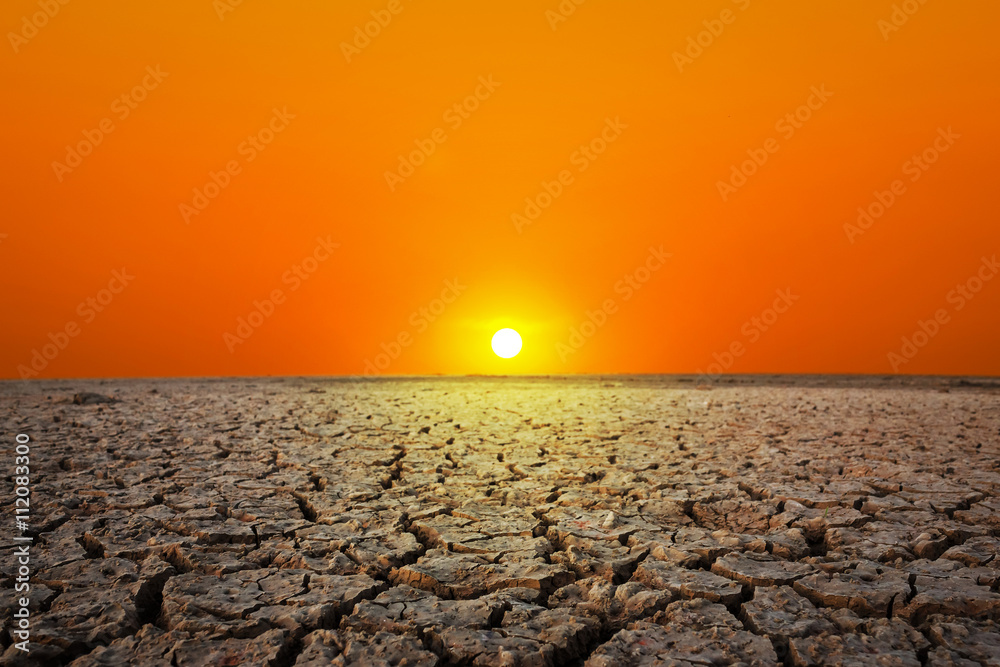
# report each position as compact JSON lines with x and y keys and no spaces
{"x":205,"y":188}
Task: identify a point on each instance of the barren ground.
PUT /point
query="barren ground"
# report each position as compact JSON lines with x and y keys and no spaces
{"x":473,"y":521}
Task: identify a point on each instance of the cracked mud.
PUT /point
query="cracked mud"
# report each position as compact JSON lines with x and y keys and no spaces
{"x":510,"y":521}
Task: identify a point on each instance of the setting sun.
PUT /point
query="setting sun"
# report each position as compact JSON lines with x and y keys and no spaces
{"x":506,"y":343}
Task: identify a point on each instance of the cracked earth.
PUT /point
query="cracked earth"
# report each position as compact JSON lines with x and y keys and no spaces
{"x":509,"y":521}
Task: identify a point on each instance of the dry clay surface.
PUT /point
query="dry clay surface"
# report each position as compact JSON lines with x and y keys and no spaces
{"x":509,"y":521}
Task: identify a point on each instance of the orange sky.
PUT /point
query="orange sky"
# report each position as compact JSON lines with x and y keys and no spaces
{"x":619,"y":128}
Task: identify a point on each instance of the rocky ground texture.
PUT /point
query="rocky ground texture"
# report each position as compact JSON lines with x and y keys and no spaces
{"x":508,"y":521}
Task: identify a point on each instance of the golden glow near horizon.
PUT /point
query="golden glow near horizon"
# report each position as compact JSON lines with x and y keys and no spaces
{"x":506,"y":343}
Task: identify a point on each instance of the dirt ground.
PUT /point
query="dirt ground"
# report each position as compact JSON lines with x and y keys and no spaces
{"x":506,"y":521}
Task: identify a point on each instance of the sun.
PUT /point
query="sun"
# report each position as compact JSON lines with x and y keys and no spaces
{"x":506,"y":343}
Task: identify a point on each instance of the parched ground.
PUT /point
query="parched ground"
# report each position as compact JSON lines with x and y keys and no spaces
{"x":508,"y":521}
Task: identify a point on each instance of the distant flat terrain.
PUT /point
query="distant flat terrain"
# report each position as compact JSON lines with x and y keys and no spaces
{"x":616,"y":520}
